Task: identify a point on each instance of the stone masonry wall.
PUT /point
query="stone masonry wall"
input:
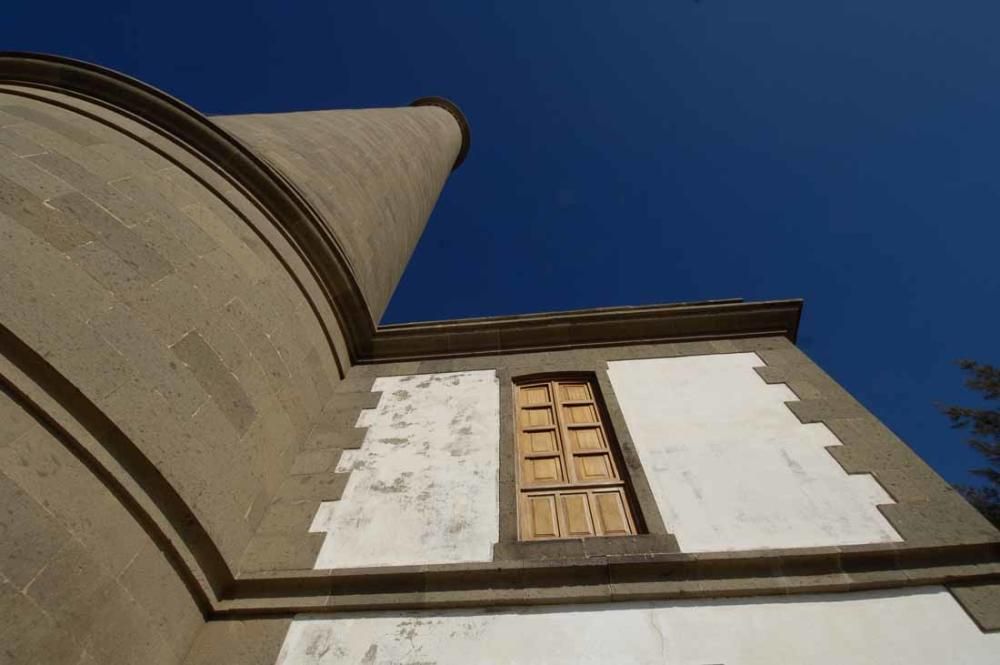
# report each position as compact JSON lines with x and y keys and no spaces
{"x":80,"y":580}
{"x":163,"y":296}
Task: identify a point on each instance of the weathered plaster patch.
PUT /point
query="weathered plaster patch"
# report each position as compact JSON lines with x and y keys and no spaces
{"x":916,"y":627}
{"x":731,"y":467}
{"x":423,"y":485}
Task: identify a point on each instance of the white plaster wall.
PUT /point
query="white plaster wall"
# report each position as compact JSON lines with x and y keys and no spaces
{"x":423,"y":485}
{"x":921,"y":627}
{"x":731,"y":467}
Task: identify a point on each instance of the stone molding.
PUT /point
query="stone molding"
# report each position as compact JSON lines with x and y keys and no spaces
{"x":463,"y":123}
{"x":619,"y":578}
{"x":600,"y":327}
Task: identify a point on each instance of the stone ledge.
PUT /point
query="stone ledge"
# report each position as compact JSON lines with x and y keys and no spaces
{"x":603,"y":579}
{"x":630,"y":577}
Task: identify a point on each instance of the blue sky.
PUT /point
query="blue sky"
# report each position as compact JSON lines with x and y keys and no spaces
{"x":631,"y":153}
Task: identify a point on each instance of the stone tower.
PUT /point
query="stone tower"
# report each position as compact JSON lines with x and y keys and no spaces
{"x":212,"y":453}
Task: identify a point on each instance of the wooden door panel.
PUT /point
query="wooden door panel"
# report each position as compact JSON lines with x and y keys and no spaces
{"x":572,"y":392}
{"x":537,"y":417}
{"x":577,"y":519}
{"x":532,"y":395}
{"x":539,"y":442}
{"x":593,"y":468}
{"x":585,"y":439}
{"x":612,"y":513}
{"x":542,"y":470}
{"x":580,"y":413}
{"x":538,"y":517}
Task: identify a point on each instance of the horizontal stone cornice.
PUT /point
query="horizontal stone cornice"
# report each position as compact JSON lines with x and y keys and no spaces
{"x":612,"y":326}
{"x":614,"y":578}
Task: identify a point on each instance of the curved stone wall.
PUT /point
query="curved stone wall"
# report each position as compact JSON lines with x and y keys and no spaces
{"x":164,"y":296}
{"x":81,"y":581}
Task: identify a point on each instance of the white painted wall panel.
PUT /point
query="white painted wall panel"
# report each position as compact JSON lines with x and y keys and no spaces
{"x":731,"y":467}
{"x":921,"y":627}
{"x":423,"y":486}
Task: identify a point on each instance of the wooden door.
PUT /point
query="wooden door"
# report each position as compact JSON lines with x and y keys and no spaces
{"x":569,"y":484}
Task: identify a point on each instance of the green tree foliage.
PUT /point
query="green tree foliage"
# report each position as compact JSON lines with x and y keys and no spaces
{"x":984,"y":427}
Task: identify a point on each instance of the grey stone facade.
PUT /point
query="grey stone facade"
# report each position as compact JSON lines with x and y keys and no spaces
{"x":188,"y":332}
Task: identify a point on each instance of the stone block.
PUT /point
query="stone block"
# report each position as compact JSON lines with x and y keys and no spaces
{"x":166,"y":241}
{"x":281,"y":551}
{"x":316,"y":461}
{"x":345,"y":401}
{"x":254,"y":334}
{"x":26,"y":209}
{"x":69,"y":170}
{"x":216,"y":379}
{"x":220,"y":335}
{"x":225,"y":229}
{"x":14,"y":420}
{"x":571,"y":548}
{"x":66,"y":489}
{"x":222,"y":512}
{"x":143,"y":190}
{"x":820,"y":410}
{"x":123,"y":633}
{"x":239,"y":642}
{"x":288,"y":516}
{"x":945,"y":520}
{"x":140,"y":158}
{"x":151,"y":359}
{"x":724,"y":346}
{"x":314,"y":487}
{"x":27,"y":632}
{"x":31,"y":537}
{"x":319,"y":375}
{"x":72,"y":288}
{"x":982,"y":602}
{"x":269,"y":446}
{"x":171,"y":308}
{"x":18,"y":144}
{"x":301,"y":420}
{"x":48,"y":120}
{"x":157,"y":588}
{"x":22,"y":171}
{"x":68,"y":587}
{"x":695,"y":348}
{"x":117,"y":237}
{"x":350,"y":439}
{"x":218,"y":278}
{"x":109,"y":270}
{"x":209,"y":423}
{"x":175,"y":185}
